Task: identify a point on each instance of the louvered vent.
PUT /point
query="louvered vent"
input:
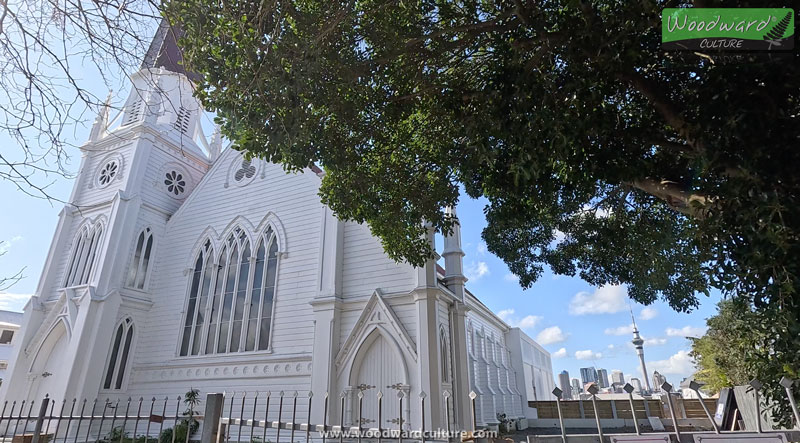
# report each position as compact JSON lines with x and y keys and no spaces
{"x":182,"y":122}
{"x":134,"y":113}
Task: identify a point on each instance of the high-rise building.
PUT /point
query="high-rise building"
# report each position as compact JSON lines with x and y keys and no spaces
{"x":617,"y":378}
{"x":563,"y":383}
{"x":637,"y":385}
{"x":602,"y":378}
{"x":658,"y":380}
{"x":588,"y":375}
{"x":638,"y":343}
{"x":576,"y":388}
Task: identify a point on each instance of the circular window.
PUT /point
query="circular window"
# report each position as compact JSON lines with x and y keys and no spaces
{"x":108,"y":172}
{"x":175,"y":182}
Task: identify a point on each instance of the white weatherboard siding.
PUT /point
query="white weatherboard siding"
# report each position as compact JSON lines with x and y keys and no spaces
{"x":344,"y":317}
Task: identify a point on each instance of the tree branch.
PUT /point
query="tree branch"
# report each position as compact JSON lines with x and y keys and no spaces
{"x":689,"y":204}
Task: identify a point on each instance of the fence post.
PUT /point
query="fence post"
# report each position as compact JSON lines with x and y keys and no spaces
{"x":37,"y":430}
{"x":756,"y":384}
{"x":211,"y":418}
{"x":668,"y":388}
{"x":695,"y":386}
{"x":594,"y":390}
{"x":787,"y":384}
{"x":557,"y":392}
{"x":629,"y":389}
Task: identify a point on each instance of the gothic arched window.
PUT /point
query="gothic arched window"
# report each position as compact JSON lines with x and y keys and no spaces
{"x":137,"y":272}
{"x":120,"y":353}
{"x":84,"y":254}
{"x":444,"y":356}
{"x":202,"y":277}
{"x":238,"y":305}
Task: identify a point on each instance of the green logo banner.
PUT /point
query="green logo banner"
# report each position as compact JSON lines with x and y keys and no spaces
{"x":727,"y":29}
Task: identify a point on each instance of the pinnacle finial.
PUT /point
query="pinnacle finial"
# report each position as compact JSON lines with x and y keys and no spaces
{"x":101,"y":122}
{"x":215,"y":147}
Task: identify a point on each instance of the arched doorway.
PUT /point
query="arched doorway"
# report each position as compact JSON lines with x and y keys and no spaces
{"x":48,"y":367}
{"x":379,"y":367}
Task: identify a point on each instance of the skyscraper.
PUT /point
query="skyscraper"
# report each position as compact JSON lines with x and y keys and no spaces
{"x":563,"y":383}
{"x":576,"y":388}
{"x":637,"y":385}
{"x":638,"y":343}
{"x":658,"y":380}
{"x":602,"y":378}
{"x":588,"y":375}
{"x":618,"y":378}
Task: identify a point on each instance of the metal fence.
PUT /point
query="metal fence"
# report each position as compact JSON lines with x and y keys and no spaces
{"x":109,"y":421}
{"x":232,"y":417}
{"x":263,"y":417}
{"x":676,"y":432}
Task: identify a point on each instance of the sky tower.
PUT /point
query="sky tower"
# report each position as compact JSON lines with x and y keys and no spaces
{"x":639,"y":344}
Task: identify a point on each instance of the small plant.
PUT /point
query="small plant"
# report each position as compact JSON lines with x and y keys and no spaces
{"x":504,"y":425}
{"x":186,"y":426}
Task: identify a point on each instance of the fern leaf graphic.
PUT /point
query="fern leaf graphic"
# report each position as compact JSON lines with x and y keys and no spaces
{"x":777,"y":31}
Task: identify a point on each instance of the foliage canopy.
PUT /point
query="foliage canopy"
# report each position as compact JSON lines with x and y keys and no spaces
{"x":672,"y":175}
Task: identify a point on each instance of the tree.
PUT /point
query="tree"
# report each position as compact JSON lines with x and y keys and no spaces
{"x":743,"y":343}
{"x":54,"y":53}
{"x":7,"y":282}
{"x":669,"y":174}
{"x":721,"y":354}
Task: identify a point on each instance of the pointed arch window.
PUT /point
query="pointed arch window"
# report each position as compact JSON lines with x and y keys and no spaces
{"x":236,"y":297}
{"x":140,"y":263}
{"x":84,"y":254}
{"x":444,"y":356}
{"x":120,"y":353}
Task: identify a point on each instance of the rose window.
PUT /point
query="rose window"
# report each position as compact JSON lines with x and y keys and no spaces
{"x":175,"y":182}
{"x":108,"y":172}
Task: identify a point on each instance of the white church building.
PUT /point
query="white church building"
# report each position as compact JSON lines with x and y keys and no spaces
{"x":178,"y":264}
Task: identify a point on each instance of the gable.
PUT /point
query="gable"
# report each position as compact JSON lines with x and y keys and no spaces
{"x":377,"y":313}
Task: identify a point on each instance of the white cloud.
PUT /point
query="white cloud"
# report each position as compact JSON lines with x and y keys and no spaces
{"x":561,"y":353}
{"x":687,"y":331}
{"x":527,"y":322}
{"x":620,"y":330}
{"x":13,"y":301}
{"x":648,"y":313}
{"x":680,"y":364}
{"x":505,"y":314}
{"x":551,"y":335}
{"x":558,"y":237}
{"x":511,"y":277}
{"x":607,"y":299}
{"x":476,"y":270}
{"x":481,"y":248}
{"x":5,"y":245}
{"x":588,"y":355}
{"x":658,"y":341}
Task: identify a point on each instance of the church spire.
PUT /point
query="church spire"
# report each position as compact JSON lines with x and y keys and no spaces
{"x":164,"y":51}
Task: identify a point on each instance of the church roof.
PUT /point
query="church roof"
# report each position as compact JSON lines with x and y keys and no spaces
{"x":165,"y":53}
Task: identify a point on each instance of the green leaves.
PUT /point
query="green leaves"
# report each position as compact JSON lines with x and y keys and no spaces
{"x":599,"y":155}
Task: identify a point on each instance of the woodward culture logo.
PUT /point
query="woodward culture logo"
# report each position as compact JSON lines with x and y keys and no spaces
{"x":727,"y":29}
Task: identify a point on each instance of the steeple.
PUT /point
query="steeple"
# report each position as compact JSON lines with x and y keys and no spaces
{"x":638,"y":343}
{"x":165,"y":53}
